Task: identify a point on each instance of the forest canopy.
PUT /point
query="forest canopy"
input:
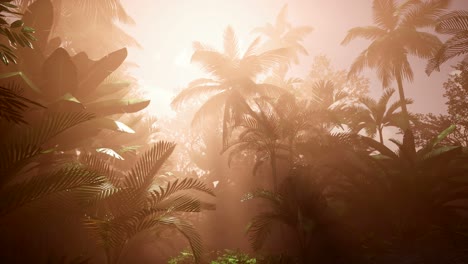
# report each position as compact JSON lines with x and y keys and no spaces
{"x":262,"y":159}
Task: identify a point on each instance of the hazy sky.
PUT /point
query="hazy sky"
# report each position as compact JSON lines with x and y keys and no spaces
{"x":167,"y":28}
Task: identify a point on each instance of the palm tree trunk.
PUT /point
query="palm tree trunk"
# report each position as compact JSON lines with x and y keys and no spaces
{"x":273,"y":169}
{"x":380,"y":135}
{"x":404,"y":110}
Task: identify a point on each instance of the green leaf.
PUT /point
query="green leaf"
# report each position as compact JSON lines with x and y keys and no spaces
{"x":17,"y":24}
{"x":23,"y":78}
{"x":27,"y":29}
{"x":436,"y":140}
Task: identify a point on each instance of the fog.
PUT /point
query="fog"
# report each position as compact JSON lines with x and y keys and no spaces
{"x":233,"y":131}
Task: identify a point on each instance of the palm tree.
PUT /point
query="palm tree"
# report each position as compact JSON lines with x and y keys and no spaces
{"x":456,"y":24}
{"x":373,"y":116}
{"x":301,"y":207}
{"x":394,"y":37}
{"x":262,"y":133}
{"x":283,"y":35}
{"x":233,"y":78}
{"x":272,"y":128}
{"x":139,"y":201}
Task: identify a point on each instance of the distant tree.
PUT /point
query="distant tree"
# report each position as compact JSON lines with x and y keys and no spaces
{"x":456,"y":24}
{"x":283,"y":35}
{"x":394,"y":37}
{"x":322,"y":69}
{"x":456,"y":92}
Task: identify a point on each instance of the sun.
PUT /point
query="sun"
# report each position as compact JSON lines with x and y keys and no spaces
{"x":166,"y":40}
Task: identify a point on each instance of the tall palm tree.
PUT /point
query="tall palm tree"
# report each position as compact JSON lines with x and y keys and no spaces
{"x":233,"y":78}
{"x":373,"y":116}
{"x":395,"y":36}
{"x":456,"y":24}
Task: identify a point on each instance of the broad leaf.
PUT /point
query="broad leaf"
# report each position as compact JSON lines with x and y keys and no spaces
{"x":100,"y":70}
{"x":59,"y":73}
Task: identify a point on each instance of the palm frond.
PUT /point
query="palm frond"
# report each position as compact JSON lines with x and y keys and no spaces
{"x":103,"y":11}
{"x":260,"y":228}
{"x":425,"y":13}
{"x":52,"y":125}
{"x":383,"y":13}
{"x":455,"y":46}
{"x":211,"y":106}
{"x":230,"y":43}
{"x":63,"y":180}
{"x":264,"y":194}
{"x":453,"y":22}
{"x":142,"y":174}
{"x":370,"y":33}
{"x":162,"y":193}
{"x":195,"y":92}
{"x":13,"y":105}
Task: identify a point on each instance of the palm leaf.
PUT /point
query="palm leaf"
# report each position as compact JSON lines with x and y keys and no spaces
{"x":13,"y":105}
{"x":63,"y":180}
{"x":141,"y":175}
{"x":178,"y":185}
{"x":260,"y":228}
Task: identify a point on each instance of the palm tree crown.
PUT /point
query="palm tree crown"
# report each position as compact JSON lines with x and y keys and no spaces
{"x":233,"y":77}
{"x":394,"y":36}
{"x":373,"y":116}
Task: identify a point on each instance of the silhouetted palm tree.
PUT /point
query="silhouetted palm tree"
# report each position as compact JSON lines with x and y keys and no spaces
{"x":263,"y":133}
{"x":233,"y":78}
{"x":301,"y":208}
{"x":284,"y":35}
{"x":456,"y":24}
{"x":373,"y":116}
{"x":394,"y":37}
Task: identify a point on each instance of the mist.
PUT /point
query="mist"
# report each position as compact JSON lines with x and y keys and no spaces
{"x":233,"y":131}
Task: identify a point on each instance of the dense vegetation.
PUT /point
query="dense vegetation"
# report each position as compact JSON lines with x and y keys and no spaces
{"x":87,"y":177}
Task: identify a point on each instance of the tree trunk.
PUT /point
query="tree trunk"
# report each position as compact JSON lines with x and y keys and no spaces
{"x":273,"y":169}
{"x":380,"y":134}
{"x":404,"y":110}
